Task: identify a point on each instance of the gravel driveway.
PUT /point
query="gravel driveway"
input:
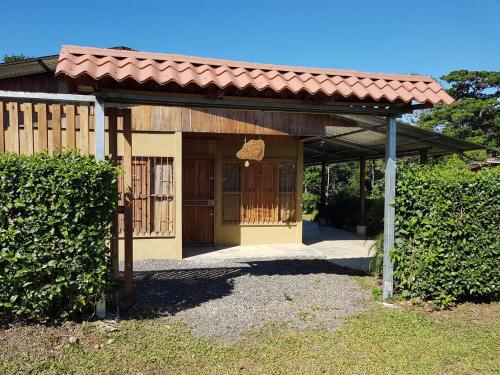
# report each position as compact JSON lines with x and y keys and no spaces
{"x":221,"y":299}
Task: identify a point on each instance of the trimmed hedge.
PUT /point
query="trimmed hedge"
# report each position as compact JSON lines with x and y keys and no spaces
{"x":54,"y":226}
{"x":447,"y":234}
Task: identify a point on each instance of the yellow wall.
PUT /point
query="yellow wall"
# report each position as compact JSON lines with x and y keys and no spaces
{"x":226,"y":146}
{"x":153,"y":248}
{"x":245,"y":234}
{"x":159,"y":144}
{"x":170,"y":144}
{"x":222,"y":147}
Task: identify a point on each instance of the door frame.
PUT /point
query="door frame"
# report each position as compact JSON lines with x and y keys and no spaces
{"x":214,"y":187}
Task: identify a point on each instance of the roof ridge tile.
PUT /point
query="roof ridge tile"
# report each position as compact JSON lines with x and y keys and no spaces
{"x":234,"y":63}
{"x":121,"y":65}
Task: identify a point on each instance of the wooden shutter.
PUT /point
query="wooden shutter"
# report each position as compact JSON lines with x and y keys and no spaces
{"x":262,"y":193}
{"x":287,"y":199}
{"x":152,"y":196}
{"x":231,"y":192}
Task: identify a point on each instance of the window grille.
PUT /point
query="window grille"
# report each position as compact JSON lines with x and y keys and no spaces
{"x":262,"y":193}
{"x":152,"y":196}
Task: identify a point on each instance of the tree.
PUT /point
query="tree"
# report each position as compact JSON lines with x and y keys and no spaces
{"x":14,"y":58}
{"x":312,"y":180}
{"x":473,"y":84}
{"x":475,"y":114}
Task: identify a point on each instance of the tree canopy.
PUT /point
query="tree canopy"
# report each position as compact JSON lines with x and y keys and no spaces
{"x":14,"y":58}
{"x":473,"y":84}
{"x":475,"y":114}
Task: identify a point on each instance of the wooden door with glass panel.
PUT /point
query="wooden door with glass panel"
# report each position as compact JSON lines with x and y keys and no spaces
{"x":198,"y":201}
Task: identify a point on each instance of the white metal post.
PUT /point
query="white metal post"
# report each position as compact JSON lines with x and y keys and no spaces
{"x":100,"y":148}
{"x":389,"y":194}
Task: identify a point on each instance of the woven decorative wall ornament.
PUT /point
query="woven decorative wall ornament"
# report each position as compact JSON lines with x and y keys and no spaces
{"x":252,"y":150}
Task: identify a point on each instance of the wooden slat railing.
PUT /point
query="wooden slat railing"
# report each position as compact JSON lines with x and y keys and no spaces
{"x":30,"y":127}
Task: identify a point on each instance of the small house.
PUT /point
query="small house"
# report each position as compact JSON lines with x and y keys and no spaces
{"x":212,"y":150}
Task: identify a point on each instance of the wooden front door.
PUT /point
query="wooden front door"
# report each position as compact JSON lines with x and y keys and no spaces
{"x":198,"y":204}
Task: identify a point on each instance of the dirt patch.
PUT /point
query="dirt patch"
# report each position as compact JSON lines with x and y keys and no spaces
{"x":481,"y":313}
{"x":476,"y":313}
{"x":36,"y":344}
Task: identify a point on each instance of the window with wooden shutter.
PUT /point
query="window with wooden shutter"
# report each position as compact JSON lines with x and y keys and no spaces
{"x":231,"y":192}
{"x":262,"y":193}
{"x":287,"y":197}
{"x":152,"y":196}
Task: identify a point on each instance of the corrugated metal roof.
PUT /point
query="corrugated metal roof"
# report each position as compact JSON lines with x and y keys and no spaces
{"x":35,"y":65}
{"x":29,"y":66}
{"x":142,"y":67}
{"x":367,"y":139}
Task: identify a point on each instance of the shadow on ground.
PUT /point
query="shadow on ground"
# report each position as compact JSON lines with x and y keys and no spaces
{"x":169,"y":291}
{"x":313,"y":234}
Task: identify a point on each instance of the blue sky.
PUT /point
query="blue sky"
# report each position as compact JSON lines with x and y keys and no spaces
{"x":400,"y":36}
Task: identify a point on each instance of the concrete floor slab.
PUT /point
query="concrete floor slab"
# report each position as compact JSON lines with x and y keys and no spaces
{"x":346,"y":249}
{"x":343,"y":248}
{"x":273,"y":251}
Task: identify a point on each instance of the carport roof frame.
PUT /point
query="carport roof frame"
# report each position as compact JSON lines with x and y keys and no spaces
{"x":351,"y":144}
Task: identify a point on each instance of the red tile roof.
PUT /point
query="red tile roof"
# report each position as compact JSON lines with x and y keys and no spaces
{"x":121,"y":65}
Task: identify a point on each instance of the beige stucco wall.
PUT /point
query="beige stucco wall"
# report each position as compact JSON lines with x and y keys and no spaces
{"x":245,"y":234}
{"x":241,"y":234}
{"x":153,"y":248}
{"x":170,"y":144}
{"x":159,"y":144}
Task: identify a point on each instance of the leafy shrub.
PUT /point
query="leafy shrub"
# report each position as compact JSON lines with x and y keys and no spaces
{"x":343,"y":212}
{"x":309,"y":202}
{"x":376,"y":265}
{"x":54,"y":224}
{"x":447,"y":234}
{"x":374,"y":216}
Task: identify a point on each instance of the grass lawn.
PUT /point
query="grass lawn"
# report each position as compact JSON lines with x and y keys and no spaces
{"x":406,"y":340}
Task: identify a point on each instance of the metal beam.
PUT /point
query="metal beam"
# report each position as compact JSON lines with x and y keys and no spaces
{"x":434,"y":140}
{"x":322,"y":137}
{"x":348,"y":158}
{"x":47,"y":96}
{"x":252,"y":104}
{"x":339,"y":154}
{"x":340,"y":142}
{"x":100,"y":148}
{"x":389,"y":195}
{"x":377,"y":129}
{"x":346,"y":134}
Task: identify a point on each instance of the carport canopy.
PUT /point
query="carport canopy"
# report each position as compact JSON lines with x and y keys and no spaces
{"x":366,"y":138}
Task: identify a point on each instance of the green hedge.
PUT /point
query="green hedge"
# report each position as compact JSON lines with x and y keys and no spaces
{"x":447,"y":234}
{"x":54,"y":226}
